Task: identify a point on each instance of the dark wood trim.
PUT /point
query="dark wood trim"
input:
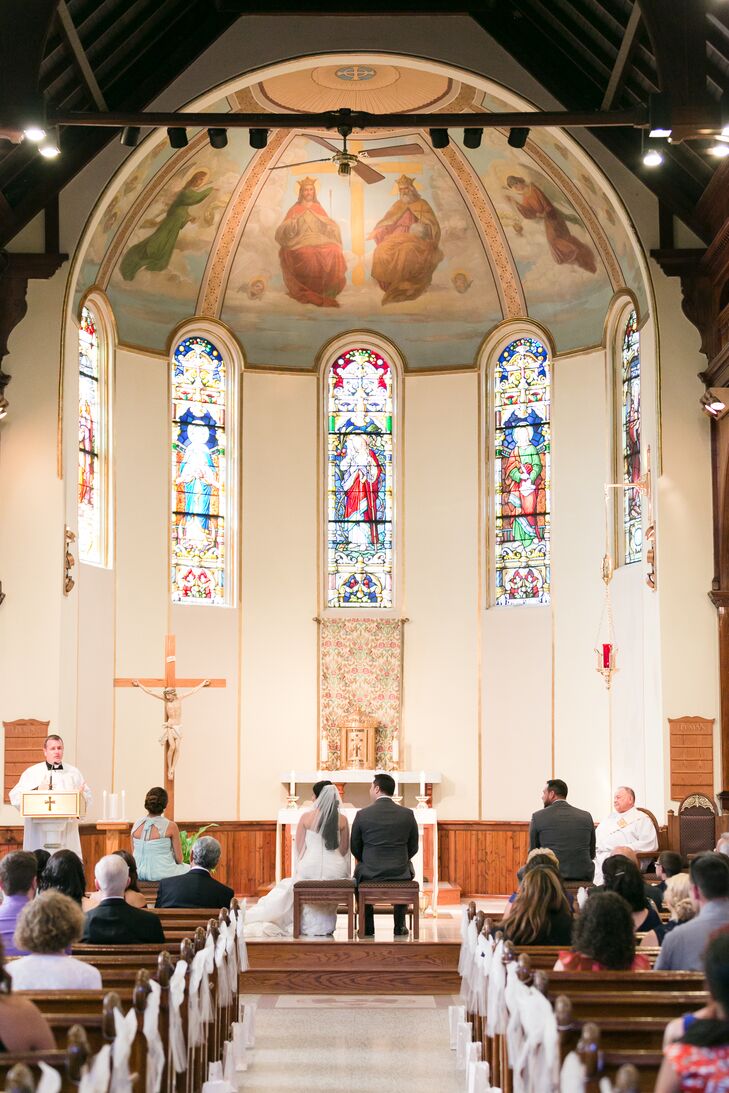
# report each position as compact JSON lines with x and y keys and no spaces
{"x":16,"y":269}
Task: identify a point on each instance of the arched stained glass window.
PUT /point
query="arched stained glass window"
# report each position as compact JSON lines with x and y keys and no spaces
{"x":630,"y":439}
{"x":199,"y":472}
{"x":91,"y":442}
{"x":522,"y":473}
{"x":360,"y":407}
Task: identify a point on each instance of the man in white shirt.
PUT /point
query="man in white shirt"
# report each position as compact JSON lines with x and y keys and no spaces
{"x":51,"y":774}
{"x":626,"y":826}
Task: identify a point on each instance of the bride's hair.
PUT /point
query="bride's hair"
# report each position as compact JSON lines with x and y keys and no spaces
{"x":327,"y":804}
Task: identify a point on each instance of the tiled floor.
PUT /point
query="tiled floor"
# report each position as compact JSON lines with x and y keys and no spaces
{"x":351,"y":1044}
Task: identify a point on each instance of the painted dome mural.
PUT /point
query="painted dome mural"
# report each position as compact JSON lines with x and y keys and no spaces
{"x":431,"y":248}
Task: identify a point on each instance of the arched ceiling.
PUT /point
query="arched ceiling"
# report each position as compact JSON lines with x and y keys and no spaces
{"x":432,"y":249}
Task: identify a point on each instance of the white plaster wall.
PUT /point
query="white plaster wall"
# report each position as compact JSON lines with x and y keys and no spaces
{"x":440,"y":514}
{"x":31,"y":521}
{"x":279,"y":660}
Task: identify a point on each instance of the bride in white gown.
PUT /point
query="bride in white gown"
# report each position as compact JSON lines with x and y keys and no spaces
{"x":322,"y":853}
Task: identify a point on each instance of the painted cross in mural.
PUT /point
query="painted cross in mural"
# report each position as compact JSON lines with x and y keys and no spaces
{"x":360,"y":407}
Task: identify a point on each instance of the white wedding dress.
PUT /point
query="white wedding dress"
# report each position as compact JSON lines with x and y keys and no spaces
{"x":273,"y":915}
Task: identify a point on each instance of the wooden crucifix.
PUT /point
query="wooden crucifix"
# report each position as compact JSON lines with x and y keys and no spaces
{"x":172,"y":699}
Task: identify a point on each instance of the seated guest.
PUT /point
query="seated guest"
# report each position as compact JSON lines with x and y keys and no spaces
{"x":114,"y":922}
{"x":568,"y":831}
{"x":535,"y":858}
{"x":41,"y":856}
{"x":696,"y":1051}
{"x":22,"y":1025}
{"x":603,"y":938}
{"x":625,"y":826}
{"x":652,"y":893}
{"x":620,"y":875}
{"x":46,"y":929}
{"x":156,"y":841}
{"x":677,"y":900}
{"x":722,"y":845}
{"x":669,"y":864}
{"x":132,"y":896}
{"x":683,"y":947}
{"x":18,"y":880}
{"x":64,"y":871}
{"x":197,"y":888}
{"x":540,"y":914}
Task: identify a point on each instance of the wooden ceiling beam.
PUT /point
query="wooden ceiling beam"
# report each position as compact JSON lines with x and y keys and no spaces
{"x":79,"y":55}
{"x":623,"y":59}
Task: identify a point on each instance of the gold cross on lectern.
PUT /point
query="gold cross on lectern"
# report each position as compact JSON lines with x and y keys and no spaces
{"x":172,"y":704}
{"x":50,"y":802}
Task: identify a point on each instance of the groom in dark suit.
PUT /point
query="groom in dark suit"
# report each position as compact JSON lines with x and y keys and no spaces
{"x":384,"y":839}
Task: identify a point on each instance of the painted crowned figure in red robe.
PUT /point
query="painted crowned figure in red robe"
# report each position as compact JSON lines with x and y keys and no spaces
{"x":311,"y":257}
{"x":533,"y":204}
{"x":361,"y":472}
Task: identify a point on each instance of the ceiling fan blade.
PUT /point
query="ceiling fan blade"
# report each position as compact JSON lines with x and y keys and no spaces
{"x":393,"y":150}
{"x":301,"y":163}
{"x":321,"y":140}
{"x":367,"y":174}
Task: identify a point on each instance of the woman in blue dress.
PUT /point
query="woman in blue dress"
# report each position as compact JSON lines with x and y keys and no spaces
{"x":156,"y":841}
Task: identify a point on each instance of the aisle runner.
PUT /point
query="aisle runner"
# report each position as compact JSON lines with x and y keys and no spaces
{"x":360,"y":663}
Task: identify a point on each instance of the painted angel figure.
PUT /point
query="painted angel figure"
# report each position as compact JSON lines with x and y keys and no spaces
{"x":172,"y":735}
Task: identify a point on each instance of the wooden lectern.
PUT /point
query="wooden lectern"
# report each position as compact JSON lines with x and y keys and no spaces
{"x":51,"y":809}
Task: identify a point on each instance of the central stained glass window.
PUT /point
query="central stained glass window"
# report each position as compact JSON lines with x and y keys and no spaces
{"x":360,"y":401}
{"x":522,"y":467}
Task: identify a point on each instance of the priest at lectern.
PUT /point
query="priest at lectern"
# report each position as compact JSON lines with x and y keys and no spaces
{"x":51,"y":774}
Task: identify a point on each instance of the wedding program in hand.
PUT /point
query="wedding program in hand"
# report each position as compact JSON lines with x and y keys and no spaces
{"x":322,"y":853}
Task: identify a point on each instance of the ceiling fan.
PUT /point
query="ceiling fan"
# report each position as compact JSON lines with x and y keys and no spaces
{"x":351,"y":162}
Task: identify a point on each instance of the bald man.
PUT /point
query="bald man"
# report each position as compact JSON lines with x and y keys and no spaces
{"x":625,"y":826}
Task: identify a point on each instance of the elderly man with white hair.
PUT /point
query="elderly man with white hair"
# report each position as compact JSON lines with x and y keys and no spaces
{"x":197,"y":888}
{"x":114,"y":921}
{"x":625,"y":826}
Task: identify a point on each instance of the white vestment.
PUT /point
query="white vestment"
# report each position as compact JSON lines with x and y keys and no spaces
{"x":632,"y":828}
{"x":70,"y":778}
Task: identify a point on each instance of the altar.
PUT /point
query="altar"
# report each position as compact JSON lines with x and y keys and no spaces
{"x":425,"y":861}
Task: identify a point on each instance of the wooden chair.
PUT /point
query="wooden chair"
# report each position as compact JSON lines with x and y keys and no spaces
{"x":696,"y":824}
{"x":324,"y":891}
{"x":392,"y":892}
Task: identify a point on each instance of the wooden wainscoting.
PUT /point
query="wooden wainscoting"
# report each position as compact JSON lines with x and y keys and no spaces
{"x":482,"y":857}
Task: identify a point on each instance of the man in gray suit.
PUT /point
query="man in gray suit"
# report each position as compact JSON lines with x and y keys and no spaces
{"x":568,"y":831}
{"x":384,"y":839}
{"x":683,"y":948}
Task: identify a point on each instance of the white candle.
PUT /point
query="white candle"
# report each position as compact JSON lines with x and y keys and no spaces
{"x":395,"y":779}
{"x":395,"y":749}
{"x":113,"y":806}
{"x":292,"y":783}
{"x":104,"y":809}
{"x":324,"y":749}
{"x":422,"y":783}
{"x":124,"y":805}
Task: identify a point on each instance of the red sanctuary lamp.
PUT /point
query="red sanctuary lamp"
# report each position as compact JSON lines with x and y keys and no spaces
{"x":606,"y":648}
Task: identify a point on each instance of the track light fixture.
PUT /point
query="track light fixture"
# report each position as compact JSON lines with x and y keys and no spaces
{"x":177,"y":137}
{"x":34,"y":133}
{"x":258,"y":138}
{"x":517,"y":137}
{"x":218,"y":138}
{"x":439,"y":138}
{"x":715,"y":402}
{"x":719,"y":149}
{"x":472,"y":138}
{"x":50,"y":146}
{"x":659,"y":115}
{"x":130,"y":136}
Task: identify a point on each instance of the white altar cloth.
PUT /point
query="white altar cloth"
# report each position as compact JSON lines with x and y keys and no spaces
{"x":426,"y":817}
{"x":403,"y":777}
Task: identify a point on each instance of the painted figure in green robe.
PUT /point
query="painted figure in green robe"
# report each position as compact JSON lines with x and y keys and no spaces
{"x":155,"y":251}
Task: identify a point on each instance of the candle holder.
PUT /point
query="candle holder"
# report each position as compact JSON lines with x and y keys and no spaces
{"x":606,"y":662}
{"x":291,"y":801}
{"x":423,"y":802}
{"x":397,"y":798}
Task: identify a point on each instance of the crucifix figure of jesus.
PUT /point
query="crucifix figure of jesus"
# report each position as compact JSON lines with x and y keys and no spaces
{"x":172,"y":698}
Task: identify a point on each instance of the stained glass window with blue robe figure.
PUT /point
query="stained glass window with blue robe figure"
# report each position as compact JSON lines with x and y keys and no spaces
{"x":198,"y":473}
{"x":630,"y":434}
{"x":360,"y":402}
{"x":522,"y":481}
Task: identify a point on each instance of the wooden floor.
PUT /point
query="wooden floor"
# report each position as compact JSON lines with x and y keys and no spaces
{"x":383,"y":965}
